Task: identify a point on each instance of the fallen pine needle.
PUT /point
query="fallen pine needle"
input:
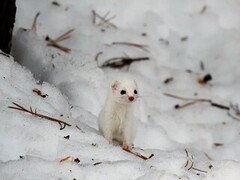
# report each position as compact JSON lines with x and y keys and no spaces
{"x":62,"y":124}
{"x":64,"y":159}
{"x":136,"y":154}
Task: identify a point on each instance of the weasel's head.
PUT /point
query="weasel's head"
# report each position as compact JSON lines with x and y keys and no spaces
{"x":124,"y":90}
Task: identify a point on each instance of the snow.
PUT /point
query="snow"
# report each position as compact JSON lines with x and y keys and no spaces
{"x":178,"y":35}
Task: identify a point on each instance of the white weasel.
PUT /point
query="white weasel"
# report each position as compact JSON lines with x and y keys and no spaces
{"x":116,"y":119}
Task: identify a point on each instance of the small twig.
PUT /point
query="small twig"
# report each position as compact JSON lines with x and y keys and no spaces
{"x":97,"y":163}
{"x":64,"y":159}
{"x":168,"y":80}
{"x":196,"y":169}
{"x":103,"y":19}
{"x":62,"y":124}
{"x":219,"y":106}
{"x":177,"y":106}
{"x":136,"y":154}
{"x":78,"y":127}
{"x":54,"y":42}
{"x":196,"y":100}
{"x":150,"y":156}
{"x":55,"y":3}
{"x":97,"y":55}
{"x":94,"y":17}
{"x":120,"y":62}
{"x":191,"y":166}
{"x":184,"y":98}
{"x":192,"y":163}
{"x":34,"y":24}
{"x":64,"y":36}
{"x":140,"y":46}
{"x":38,"y":92}
{"x":62,"y":48}
{"x":208,"y":156}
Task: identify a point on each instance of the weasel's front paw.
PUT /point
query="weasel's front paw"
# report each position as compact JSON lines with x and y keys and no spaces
{"x":109,"y":139}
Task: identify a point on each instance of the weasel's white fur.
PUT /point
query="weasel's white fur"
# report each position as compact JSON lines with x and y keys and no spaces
{"x":116,"y":119}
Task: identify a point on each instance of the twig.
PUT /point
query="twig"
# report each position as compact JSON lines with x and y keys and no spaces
{"x":140,"y":46}
{"x":94,"y":17}
{"x":136,"y":154}
{"x":62,"y":124}
{"x":196,"y":169}
{"x":64,"y":159}
{"x":194,"y":101}
{"x":34,"y":24}
{"x":78,"y":127}
{"x":54,"y":42}
{"x":103,"y":20}
{"x":208,"y":156}
{"x":97,"y":163}
{"x":192,"y":163}
{"x":38,"y":92}
{"x":97,"y":55}
{"x":191,"y":166}
{"x":168,"y":80}
{"x":64,"y":36}
{"x":120,"y":62}
{"x":184,"y":98}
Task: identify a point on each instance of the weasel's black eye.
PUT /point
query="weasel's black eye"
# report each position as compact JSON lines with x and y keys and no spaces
{"x":123,"y":92}
{"x":135,"y":91}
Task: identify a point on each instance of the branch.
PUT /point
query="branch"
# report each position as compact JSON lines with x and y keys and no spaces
{"x":62,"y":124}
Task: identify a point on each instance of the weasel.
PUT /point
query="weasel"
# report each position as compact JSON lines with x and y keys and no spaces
{"x":116,"y":121}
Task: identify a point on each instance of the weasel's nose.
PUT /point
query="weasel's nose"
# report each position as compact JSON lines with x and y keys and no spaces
{"x":130,"y":98}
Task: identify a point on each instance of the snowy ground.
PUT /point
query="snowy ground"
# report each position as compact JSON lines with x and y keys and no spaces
{"x":185,"y":40}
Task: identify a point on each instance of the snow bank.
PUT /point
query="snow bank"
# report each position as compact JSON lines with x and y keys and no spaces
{"x":184,"y":40}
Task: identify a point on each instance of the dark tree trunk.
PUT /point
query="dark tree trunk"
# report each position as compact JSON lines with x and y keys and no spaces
{"x":7,"y":19}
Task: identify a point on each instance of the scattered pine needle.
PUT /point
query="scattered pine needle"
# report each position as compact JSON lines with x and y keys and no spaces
{"x":78,"y":127}
{"x":62,"y":124}
{"x":97,"y":163}
{"x":140,"y":46}
{"x":103,"y":20}
{"x":54,"y":42}
{"x":136,"y":154}
{"x":34,"y":24}
{"x":64,"y":159}
{"x":38,"y":92}
{"x":120,"y":62}
{"x":190,"y":159}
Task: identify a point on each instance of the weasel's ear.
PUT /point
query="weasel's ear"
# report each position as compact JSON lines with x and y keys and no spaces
{"x":114,"y":85}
